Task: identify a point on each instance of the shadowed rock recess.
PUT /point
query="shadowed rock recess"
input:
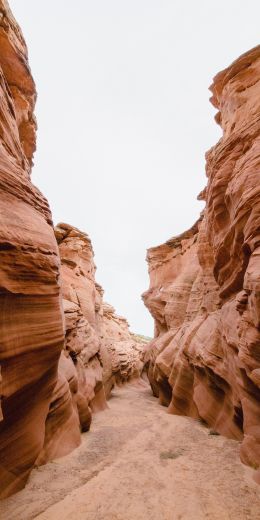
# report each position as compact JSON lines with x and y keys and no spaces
{"x":204,"y":290}
{"x":46,"y":396}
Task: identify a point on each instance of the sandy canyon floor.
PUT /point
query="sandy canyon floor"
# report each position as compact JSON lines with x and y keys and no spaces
{"x":139,"y":463}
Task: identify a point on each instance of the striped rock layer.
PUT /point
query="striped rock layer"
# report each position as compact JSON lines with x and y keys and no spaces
{"x":56,"y":363}
{"x":204,"y":292}
{"x":31,"y":326}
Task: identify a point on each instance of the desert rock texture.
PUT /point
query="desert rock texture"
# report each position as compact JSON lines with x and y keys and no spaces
{"x":31,"y":327}
{"x":204,"y":290}
{"x":64,"y":351}
{"x":99,"y":350}
{"x":61,"y":348}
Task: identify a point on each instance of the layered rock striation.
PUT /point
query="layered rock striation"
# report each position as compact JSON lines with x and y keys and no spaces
{"x":31,"y":327}
{"x":98,"y":343}
{"x":204,"y":290}
{"x":57,"y":363}
{"x":125,"y":349}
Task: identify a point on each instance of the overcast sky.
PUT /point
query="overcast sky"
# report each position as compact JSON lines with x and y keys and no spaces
{"x":124,"y":120}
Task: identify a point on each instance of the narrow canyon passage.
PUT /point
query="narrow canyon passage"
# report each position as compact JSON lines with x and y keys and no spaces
{"x":69,"y":363}
{"x":138,"y":463}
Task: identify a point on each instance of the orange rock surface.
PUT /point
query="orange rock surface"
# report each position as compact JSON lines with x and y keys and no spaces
{"x":31,"y":328}
{"x":205,"y":284}
{"x":124,"y":348}
{"x":99,"y":342}
{"x":54,"y":365}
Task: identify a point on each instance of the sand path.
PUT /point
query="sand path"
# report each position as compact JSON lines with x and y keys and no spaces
{"x":139,"y":463}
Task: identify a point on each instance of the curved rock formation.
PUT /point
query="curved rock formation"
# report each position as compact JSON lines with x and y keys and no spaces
{"x":124,"y":348}
{"x":46,"y":398}
{"x":46,"y":395}
{"x":81,"y":303}
{"x":31,"y":328}
{"x":98,"y":341}
{"x":205,"y":284}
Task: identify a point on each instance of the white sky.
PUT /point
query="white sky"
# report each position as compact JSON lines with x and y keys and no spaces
{"x":124,"y":120}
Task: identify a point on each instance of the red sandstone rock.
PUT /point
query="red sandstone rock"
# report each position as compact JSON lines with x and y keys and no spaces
{"x":31,"y":330}
{"x":205,"y":285}
{"x":62,"y":427}
{"x":46,"y":397}
{"x":97,"y":340}
{"x":125,"y":349}
{"x":81,"y":306}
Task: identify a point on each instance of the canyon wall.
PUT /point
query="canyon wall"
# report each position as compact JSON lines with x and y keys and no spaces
{"x":204,"y":292}
{"x":61,"y":348}
{"x":31,"y":327}
{"x":99,"y":342}
{"x":99,"y":351}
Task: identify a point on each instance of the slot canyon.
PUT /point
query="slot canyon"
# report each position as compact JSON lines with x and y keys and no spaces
{"x":98,"y":422}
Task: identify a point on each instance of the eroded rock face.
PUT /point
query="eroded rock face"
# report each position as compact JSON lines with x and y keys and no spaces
{"x":31,"y":328}
{"x":81,"y":302}
{"x":55,"y":366}
{"x":98,"y":342}
{"x":125,"y":349}
{"x":205,"y":284}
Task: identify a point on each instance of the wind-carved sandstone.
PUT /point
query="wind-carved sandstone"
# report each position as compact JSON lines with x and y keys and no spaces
{"x":31,"y":329}
{"x":125,"y":349}
{"x":98,"y":342}
{"x":205,"y":284}
{"x":55,"y":366}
